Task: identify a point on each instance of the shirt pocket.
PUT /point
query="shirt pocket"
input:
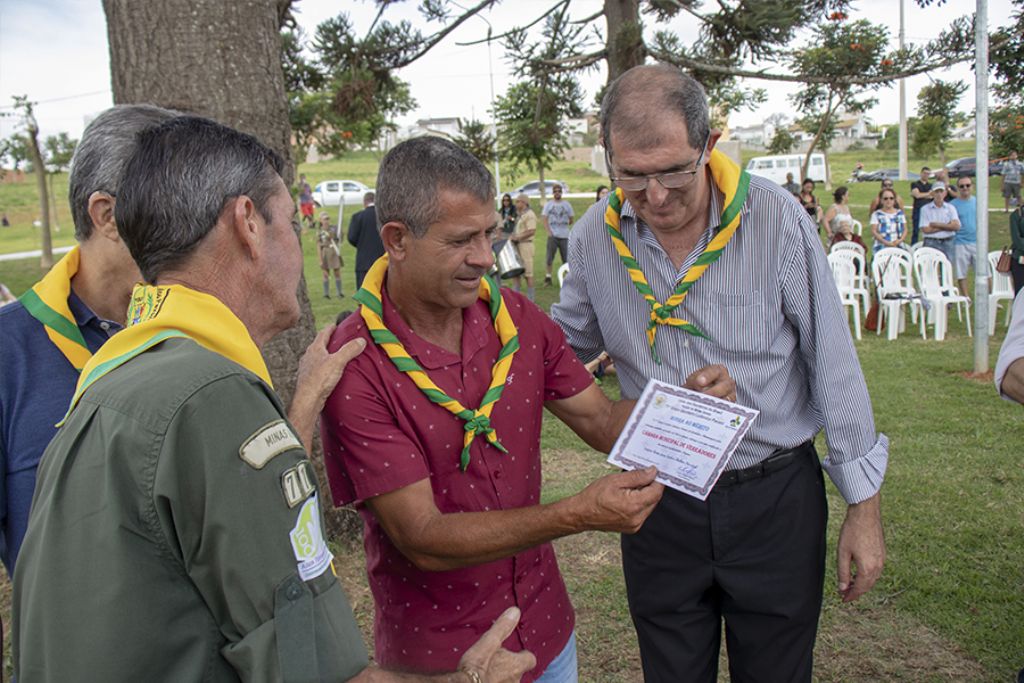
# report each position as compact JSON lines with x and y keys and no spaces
{"x":737,"y":321}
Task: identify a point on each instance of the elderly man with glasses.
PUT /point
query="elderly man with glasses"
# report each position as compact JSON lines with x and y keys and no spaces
{"x":690,"y":262}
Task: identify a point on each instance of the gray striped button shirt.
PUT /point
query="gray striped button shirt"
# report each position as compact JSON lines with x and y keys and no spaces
{"x":773,"y":317}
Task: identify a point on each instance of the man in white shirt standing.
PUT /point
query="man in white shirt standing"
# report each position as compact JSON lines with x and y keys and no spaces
{"x":939,"y":223}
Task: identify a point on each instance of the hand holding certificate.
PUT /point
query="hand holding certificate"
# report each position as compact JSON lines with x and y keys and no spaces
{"x":688,"y":436}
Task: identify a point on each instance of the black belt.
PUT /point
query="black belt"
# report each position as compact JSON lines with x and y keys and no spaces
{"x":773,"y":463}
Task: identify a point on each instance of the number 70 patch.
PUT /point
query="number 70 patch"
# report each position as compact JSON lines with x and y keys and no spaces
{"x":298,"y":483}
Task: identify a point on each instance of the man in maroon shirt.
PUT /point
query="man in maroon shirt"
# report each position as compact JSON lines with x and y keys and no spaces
{"x":451,"y":544}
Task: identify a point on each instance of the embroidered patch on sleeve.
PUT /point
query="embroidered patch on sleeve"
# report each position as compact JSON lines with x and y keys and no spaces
{"x":271,"y":440}
{"x":298,"y":483}
{"x":307,"y":539}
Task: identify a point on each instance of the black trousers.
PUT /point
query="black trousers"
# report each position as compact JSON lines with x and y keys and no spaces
{"x":1017,"y":276}
{"x":753,"y":554}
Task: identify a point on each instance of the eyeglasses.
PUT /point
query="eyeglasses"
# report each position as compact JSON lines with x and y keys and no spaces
{"x":672,"y":180}
{"x":888,"y":199}
{"x":965,"y":187}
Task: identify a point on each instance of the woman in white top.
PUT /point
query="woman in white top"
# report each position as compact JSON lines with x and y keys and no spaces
{"x":840,"y":208}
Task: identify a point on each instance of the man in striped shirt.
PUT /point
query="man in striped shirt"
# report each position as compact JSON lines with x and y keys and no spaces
{"x":766,"y":308}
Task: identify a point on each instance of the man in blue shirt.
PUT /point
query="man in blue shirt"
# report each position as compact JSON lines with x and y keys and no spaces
{"x":558,"y":216}
{"x":965,"y":243}
{"x":55,"y":327}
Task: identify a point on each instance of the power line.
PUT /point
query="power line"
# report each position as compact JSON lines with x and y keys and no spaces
{"x":62,"y":99}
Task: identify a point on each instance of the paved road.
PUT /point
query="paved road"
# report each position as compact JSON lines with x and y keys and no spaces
{"x":18,"y":255}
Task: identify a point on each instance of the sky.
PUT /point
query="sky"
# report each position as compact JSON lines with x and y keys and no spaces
{"x":55,"y":51}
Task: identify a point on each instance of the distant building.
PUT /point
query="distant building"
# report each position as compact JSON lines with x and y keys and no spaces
{"x":967,"y":132}
{"x":852,"y":127}
{"x":759,"y":135}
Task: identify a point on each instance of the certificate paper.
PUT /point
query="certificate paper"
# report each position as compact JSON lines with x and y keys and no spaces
{"x":688,"y":436}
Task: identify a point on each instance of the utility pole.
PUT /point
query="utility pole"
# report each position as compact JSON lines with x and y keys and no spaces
{"x":903,"y":106}
{"x":32,"y":136}
{"x":981,"y":311}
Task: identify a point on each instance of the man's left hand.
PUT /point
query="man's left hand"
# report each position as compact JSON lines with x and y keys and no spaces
{"x":713,"y":380}
{"x":861,"y":544}
{"x":319,"y":372}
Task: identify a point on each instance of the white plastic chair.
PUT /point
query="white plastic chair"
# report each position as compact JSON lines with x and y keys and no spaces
{"x":1002,"y":290}
{"x":563,"y":272}
{"x":858,"y":227}
{"x":891,"y":271}
{"x":861,"y":274}
{"x":844,"y":274}
{"x":848,"y":245}
{"x":935,"y":279}
{"x":858,"y":286}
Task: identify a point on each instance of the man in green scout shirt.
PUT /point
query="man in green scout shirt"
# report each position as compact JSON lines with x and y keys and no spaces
{"x":176,"y":531}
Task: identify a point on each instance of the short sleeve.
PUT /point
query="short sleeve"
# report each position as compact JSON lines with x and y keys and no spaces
{"x":368,"y":450}
{"x":236,"y":498}
{"x":564,"y":374}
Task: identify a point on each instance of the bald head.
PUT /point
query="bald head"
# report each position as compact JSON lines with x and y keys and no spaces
{"x":638,"y":100}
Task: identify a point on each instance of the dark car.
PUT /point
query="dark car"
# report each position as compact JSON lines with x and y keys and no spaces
{"x":968,"y":167}
{"x":885,"y":174}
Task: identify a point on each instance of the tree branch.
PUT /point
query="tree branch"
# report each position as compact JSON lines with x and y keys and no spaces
{"x":575,"y":61}
{"x":696,"y":65}
{"x":593,"y":17}
{"x":440,"y":35}
{"x":533,"y":23}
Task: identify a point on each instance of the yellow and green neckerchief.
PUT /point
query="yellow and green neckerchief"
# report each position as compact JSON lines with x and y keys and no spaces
{"x":160,"y":313}
{"x":47,"y":302}
{"x":734,"y":183}
{"x":478,"y":422}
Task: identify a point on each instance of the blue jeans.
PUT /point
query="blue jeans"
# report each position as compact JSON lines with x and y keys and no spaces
{"x":943,"y":245}
{"x":562,"y":668}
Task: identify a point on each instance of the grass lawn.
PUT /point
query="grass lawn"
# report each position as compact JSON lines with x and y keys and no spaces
{"x":950,"y":604}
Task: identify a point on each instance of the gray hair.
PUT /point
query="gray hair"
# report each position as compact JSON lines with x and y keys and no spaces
{"x":178,"y":181}
{"x":414,"y":172}
{"x":106,"y":145}
{"x":640,"y":96}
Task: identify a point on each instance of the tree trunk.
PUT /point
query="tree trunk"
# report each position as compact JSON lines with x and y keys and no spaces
{"x":625,"y":43}
{"x":46,"y":242}
{"x":825,"y":118}
{"x":543,"y":188}
{"x":53,"y":198}
{"x":221,"y":60}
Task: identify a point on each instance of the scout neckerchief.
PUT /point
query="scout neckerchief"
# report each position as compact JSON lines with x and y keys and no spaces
{"x":478,"y":422}
{"x":47,"y":302}
{"x":733,"y":183}
{"x":160,"y":313}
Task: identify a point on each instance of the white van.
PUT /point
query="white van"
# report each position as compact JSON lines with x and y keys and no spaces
{"x":776,"y":167}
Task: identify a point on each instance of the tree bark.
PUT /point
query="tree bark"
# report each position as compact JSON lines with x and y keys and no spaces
{"x":46,"y":241}
{"x":625,"y":42}
{"x":221,"y":60}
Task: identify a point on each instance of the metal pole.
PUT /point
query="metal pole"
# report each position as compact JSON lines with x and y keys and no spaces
{"x":981,"y":311}
{"x":494,"y":122}
{"x":903,"y":108}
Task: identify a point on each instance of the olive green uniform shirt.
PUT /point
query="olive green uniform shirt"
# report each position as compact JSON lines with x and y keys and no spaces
{"x":175,"y":535}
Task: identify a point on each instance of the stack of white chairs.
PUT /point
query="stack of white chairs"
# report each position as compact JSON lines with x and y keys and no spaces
{"x":1002,"y":290}
{"x":935,"y":279}
{"x":855,"y":254}
{"x":844,"y":273}
{"x":892,"y":272}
